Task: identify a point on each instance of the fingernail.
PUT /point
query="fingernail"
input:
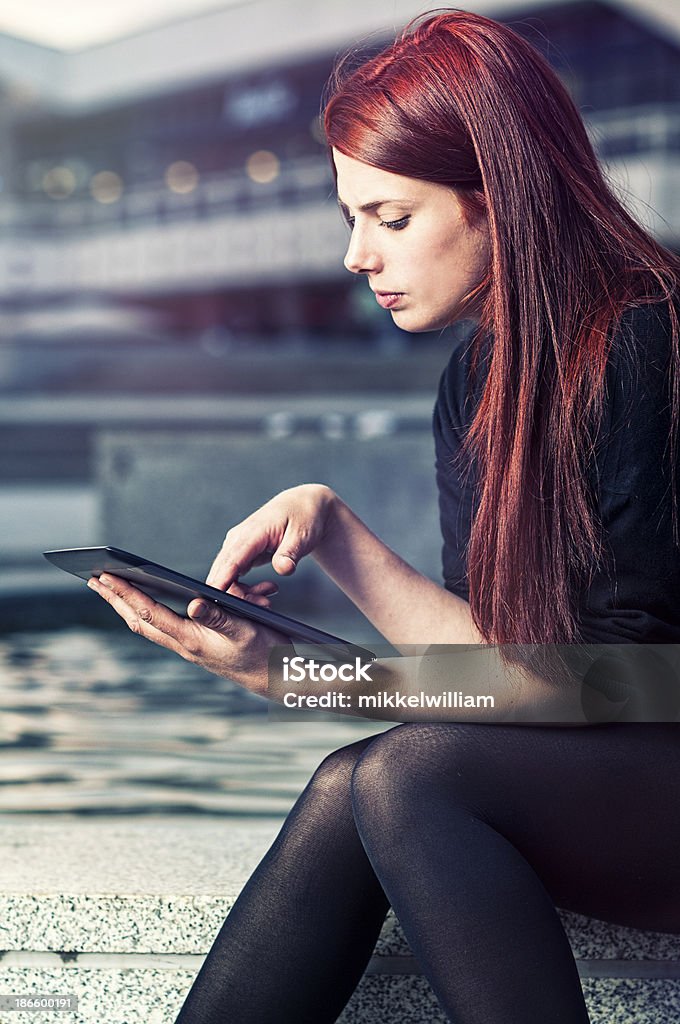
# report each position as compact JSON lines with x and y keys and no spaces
{"x":92,"y":584}
{"x":200,"y":612}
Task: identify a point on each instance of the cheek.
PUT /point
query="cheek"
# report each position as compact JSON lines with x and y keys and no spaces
{"x":466,"y":262}
{"x":446,"y":250}
{"x":441,"y":263}
{"x":432,"y":263}
{"x":445,"y":270}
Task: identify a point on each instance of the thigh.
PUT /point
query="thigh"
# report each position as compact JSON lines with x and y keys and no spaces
{"x":594,"y":810}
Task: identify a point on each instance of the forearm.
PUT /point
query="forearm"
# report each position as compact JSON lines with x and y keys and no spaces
{"x":405,"y":606}
{"x":448,"y":684}
{"x":455,"y":682}
{"x":460,"y":678}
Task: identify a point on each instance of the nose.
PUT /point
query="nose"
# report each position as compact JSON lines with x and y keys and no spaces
{"x":361,"y":257}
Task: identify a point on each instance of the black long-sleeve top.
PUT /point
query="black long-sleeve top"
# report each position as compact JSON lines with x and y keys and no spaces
{"x":638,"y":599}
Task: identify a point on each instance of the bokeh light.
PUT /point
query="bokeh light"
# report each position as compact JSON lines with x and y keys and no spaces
{"x":263,"y":166}
{"x":181,"y":177}
{"x":59,"y":182}
{"x":106,"y":187}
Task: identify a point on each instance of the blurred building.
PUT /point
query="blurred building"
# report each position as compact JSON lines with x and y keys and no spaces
{"x":168,"y":230}
{"x":177,"y":181}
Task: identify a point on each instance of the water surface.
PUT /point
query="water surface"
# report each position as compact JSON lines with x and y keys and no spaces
{"x":97,"y":722}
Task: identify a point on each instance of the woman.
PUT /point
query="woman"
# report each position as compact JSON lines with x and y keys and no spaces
{"x":472,"y":192}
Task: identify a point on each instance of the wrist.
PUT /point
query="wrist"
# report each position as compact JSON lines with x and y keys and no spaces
{"x":334,"y":511}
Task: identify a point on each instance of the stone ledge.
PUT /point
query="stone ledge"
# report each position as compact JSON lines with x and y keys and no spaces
{"x":166,"y":885}
{"x":121,"y":913}
{"x":151,"y":995}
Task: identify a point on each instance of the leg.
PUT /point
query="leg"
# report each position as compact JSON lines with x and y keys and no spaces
{"x":298,"y":938}
{"x":476,"y":833}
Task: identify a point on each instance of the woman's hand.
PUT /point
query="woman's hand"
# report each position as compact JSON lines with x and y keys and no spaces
{"x":221,"y":643}
{"x":284,"y":530}
{"x":290,"y":526}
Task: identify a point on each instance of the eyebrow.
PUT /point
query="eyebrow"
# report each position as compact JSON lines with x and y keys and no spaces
{"x":367,"y":207}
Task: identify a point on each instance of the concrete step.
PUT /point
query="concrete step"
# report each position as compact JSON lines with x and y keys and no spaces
{"x":120,"y":914}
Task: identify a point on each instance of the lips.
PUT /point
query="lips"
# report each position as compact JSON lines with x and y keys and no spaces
{"x":388,"y":299}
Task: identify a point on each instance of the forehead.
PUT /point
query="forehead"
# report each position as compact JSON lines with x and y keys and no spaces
{"x":360,"y":183}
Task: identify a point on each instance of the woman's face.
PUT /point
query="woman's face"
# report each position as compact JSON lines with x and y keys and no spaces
{"x":412,"y":242}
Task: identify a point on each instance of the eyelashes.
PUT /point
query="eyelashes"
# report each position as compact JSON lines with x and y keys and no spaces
{"x":393,"y":225}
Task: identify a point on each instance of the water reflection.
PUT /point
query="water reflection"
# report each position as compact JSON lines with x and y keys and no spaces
{"x":96,"y":722}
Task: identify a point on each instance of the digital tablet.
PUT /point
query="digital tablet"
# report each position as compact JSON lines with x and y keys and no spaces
{"x":162,"y":583}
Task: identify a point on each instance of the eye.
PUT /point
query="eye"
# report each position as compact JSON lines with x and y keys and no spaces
{"x":395,"y":225}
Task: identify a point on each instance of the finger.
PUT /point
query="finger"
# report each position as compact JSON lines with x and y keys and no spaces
{"x":244,"y":590}
{"x":141,"y":613}
{"x":224,"y":572}
{"x":247,"y":593}
{"x":242,"y":549}
{"x":247,"y":546}
{"x":264,"y":587}
{"x":284,"y":563}
{"x":289,"y":552}
{"x":214,"y":617}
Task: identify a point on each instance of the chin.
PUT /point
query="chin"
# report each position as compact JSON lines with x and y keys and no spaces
{"x":419,"y":325}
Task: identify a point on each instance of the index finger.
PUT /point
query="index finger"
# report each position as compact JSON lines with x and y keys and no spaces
{"x":235,"y":558}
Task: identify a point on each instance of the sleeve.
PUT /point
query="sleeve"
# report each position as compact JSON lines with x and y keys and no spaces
{"x":638,"y":599}
{"x":456,"y":494}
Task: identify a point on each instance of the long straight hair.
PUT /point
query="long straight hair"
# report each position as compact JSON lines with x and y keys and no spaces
{"x":463,"y":101}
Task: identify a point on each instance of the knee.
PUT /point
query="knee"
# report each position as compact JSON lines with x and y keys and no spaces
{"x":323,"y":808}
{"x":331,"y":782}
{"x":387,"y":774}
{"x":404,"y":769}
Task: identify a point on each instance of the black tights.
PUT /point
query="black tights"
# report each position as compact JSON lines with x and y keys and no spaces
{"x":473,"y":834}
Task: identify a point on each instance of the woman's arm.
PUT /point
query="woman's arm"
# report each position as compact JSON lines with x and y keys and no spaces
{"x":448,"y":673}
{"x":454,"y":683}
{"x":403,"y":605}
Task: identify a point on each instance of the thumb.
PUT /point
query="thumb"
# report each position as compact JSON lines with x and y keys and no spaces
{"x":287,"y":555}
{"x":209,"y":614}
{"x":284,"y":563}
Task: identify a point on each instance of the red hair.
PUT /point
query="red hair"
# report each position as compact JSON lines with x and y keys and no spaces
{"x":466,"y":102}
